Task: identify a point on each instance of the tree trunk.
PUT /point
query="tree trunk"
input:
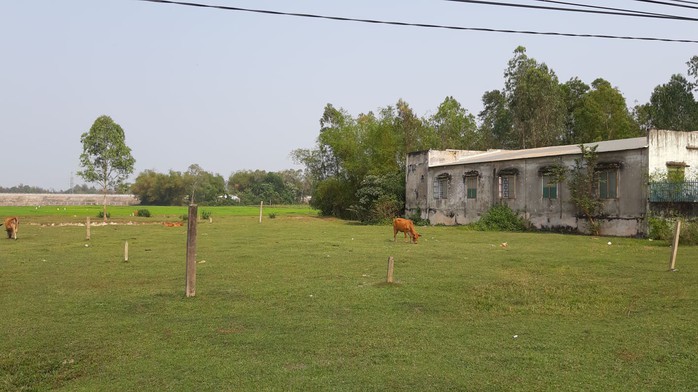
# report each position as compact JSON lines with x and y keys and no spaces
{"x":104,"y":202}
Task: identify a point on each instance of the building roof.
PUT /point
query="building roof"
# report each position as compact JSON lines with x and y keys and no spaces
{"x":573,"y":149}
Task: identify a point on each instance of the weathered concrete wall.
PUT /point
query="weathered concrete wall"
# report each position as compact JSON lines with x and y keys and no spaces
{"x":673,"y":147}
{"x":623,"y":216}
{"x":416,"y":176}
{"x":51,"y":199}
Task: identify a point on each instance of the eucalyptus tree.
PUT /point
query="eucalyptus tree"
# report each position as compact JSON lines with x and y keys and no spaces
{"x":574,"y":91}
{"x":536,"y":102}
{"x":454,"y":127}
{"x":105,"y":159}
{"x":495,"y":122}
{"x":672,"y":106}
{"x":602,"y":114}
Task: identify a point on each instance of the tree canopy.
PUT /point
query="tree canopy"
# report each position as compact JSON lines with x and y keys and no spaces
{"x":106,"y":159}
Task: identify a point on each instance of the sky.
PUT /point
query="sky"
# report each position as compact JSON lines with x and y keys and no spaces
{"x":232,"y":90}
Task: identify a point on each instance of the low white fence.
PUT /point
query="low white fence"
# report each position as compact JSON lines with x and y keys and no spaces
{"x":60,"y":199}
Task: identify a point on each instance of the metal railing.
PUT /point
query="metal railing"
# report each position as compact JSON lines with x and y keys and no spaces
{"x":685,"y":192}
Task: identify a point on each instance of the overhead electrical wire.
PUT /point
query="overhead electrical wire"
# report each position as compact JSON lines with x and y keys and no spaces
{"x":614,"y":13}
{"x":423,"y":25}
{"x":673,"y":4}
{"x":634,"y":12}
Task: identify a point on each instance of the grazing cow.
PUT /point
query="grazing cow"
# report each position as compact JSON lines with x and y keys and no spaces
{"x":11,"y":226}
{"x":173,"y":224}
{"x":406,"y":226}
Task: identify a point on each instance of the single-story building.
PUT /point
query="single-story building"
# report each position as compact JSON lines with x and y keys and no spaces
{"x":457,"y":187}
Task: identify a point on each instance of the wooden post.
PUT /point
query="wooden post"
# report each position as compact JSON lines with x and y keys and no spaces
{"x":126,"y":251}
{"x":675,"y":247}
{"x":190,"y":289}
{"x":87,"y":228}
{"x":391,"y":264}
{"x":261,"y":204}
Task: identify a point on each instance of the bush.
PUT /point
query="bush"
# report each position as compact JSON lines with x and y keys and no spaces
{"x":272,"y":215}
{"x":501,"y":218}
{"x":689,"y":233}
{"x":101,"y":214}
{"x":143,"y":212}
{"x":205,"y":215}
{"x":660,"y":229}
{"x":663,"y":229}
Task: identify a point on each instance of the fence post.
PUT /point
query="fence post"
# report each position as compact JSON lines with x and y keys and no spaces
{"x":391,"y":265}
{"x":87,"y":228}
{"x":675,"y":247}
{"x":190,"y":289}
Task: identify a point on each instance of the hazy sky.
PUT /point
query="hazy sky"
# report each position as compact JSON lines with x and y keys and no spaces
{"x":232,"y":90}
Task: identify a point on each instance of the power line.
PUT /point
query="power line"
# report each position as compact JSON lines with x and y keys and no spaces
{"x":672,"y":4}
{"x":605,"y":8}
{"x":423,"y":25}
{"x":614,"y":13}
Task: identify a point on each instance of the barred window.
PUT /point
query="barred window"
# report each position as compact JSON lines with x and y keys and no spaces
{"x":441,"y":186}
{"x":549,"y":187}
{"x":471,"y":187}
{"x":608,"y":184}
{"x":507,"y":187}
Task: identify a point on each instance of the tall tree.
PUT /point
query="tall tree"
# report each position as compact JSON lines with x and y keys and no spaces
{"x":601,"y":114}
{"x":574,"y":92}
{"x":672,"y":106}
{"x":106,"y":159}
{"x":495,"y":122}
{"x":536,"y":102}
{"x":454,"y":126}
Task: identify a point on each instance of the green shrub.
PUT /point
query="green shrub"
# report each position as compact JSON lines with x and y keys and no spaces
{"x":205,"y":215}
{"x":272,"y":215}
{"x":660,"y":229}
{"x":501,"y":218}
{"x":689,"y":233}
{"x":663,"y":229}
{"x":143,"y":212}
{"x":101,"y":214}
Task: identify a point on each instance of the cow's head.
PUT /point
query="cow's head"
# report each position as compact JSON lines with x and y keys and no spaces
{"x":415,"y":236}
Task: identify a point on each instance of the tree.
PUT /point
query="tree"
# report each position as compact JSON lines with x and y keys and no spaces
{"x":536,"y":102}
{"x":454,"y":126}
{"x":672,"y":106}
{"x":348,"y":150}
{"x":106,"y":159}
{"x":693,"y":71}
{"x":495,"y":122}
{"x":159,"y":189}
{"x":583,"y":182}
{"x":574,"y":92}
{"x":601,"y":114}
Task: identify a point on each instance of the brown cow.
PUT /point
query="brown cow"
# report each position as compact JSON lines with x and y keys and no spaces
{"x":12,"y":226}
{"x":406,"y":226}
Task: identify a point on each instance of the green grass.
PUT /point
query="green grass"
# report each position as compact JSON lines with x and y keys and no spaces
{"x":300,"y":303}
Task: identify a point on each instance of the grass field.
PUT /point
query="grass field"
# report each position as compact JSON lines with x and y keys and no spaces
{"x":300,"y":303}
